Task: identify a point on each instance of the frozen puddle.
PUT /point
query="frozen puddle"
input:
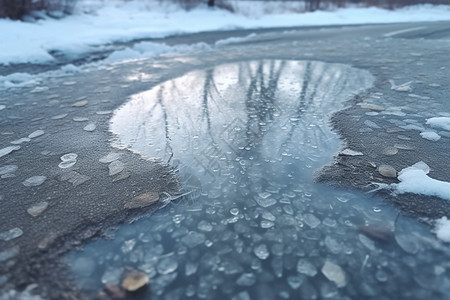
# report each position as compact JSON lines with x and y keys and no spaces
{"x":247,"y":138}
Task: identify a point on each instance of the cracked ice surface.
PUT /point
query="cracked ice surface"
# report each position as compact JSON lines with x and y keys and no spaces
{"x":254,"y":225}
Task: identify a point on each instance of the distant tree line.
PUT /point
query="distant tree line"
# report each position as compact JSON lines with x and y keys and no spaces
{"x":18,"y":9}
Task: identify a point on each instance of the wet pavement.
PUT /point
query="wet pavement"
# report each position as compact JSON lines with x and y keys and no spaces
{"x":53,"y":201}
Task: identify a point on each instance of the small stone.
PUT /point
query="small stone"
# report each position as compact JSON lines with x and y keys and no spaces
{"x":34,"y":181}
{"x":36,"y":133}
{"x":123,"y":175}
{"x":134,"y":281}
{"x":349,"y":152}
{"x":11,"y":234}
{"x":90,"y":127}
{"x":334,"y":273}
{"x":8,"y":150}
{"x":80,"y":103}
{"x":143,"y":200}
{"x":37,"y":209}
{"x":306,"y":268}
{"x":387,"y":171}
{"x":69,"y":157}
{"x":59,"y":117}
{"x":47,"y":241}
{"x":8,"y":169}
{"x":80,"y":119}
{"x":389,"y":151}
{"x":116,"y":167}
{"x":20,"y":141}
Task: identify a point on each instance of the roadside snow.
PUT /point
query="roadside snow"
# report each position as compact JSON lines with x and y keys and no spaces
{"x":73,"y":36}
{"x":442,"y":229}
{"x":430,"y":135}
{"x":415,"y":180}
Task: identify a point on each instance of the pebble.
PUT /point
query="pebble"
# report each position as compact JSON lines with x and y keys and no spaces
{"x":135,"y":280}
{"x":387,"y":171}
{"x":90,"y":127}
{"x":11,"y":234}
{"x":349,"y":152}
{"x":20,"y":141}
{"x":110,"y":157}
{"x":34,"y":181}
{"x":8,"y":150}
{"x":389,"y":151}
{"x":37,"y":209}
{"x":80,"y":103}
{"x":116,"y":167}
{"x":142,"y":200}
{"x":36,"y":133}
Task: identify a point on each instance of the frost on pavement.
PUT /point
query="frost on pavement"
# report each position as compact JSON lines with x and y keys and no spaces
{"x":442,"y":229}
{"x":415,"y":180}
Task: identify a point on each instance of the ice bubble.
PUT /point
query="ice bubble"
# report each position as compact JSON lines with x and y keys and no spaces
{"x":311,"y":220}
{"x":242,"y":296}
{"x":295,"y":281}
{"x":167,"y":265}
{"x":204,"y":226}
{"x":307,"y":268}
{"x":265,"y":202}
{"x":34,"y":181}
{"x":36,"y":133}
{"x":11,"y":234}
{"x":246,"y":279}
{"x":190,"y":268}
{"x":334,"y":273}
{"x":265,"y":224}
{"x":193,"y":239}
{"x":261,"y":251}
{"x":8,"y":150}
{"x":234,"y":211}
{"x":333,"y":245}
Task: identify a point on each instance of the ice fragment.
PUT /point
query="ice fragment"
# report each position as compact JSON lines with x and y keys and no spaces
{"x":36,"y":134}
{"x":8,"y":150}
{"x":11,"y":234}
{"x":334,"y":273}
{"x":307,"y":268}
{"x":34,"y":181}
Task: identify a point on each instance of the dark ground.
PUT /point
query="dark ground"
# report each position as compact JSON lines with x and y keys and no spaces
{"x":76,"y":213}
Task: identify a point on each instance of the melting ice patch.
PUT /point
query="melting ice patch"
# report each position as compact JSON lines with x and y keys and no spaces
{"x":415,"y":180}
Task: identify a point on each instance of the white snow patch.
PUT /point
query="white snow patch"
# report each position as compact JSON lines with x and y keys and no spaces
{"x":442,"y":229}
{"x":235,"y":40}
{"x":439,"y":122}
{"x":35,"y":42}
{"x":430,"y":135}
{"x":415,"y":180}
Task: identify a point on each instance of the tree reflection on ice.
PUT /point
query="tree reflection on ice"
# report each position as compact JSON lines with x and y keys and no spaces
{"x":250,"y":135}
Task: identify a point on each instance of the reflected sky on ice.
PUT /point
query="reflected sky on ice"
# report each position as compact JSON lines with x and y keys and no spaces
{"x":246,"y":139}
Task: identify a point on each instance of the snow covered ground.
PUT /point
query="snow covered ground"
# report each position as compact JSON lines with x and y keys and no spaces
{"x":35,"y":42}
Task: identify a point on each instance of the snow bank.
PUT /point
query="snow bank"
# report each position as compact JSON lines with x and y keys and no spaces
{"x":442,"y":229}
{"x":415,"y":180}
{"x":25,"y":42}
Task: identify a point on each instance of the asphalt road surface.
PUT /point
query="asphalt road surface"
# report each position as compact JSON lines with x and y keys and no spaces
{"x":78,"y":203}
